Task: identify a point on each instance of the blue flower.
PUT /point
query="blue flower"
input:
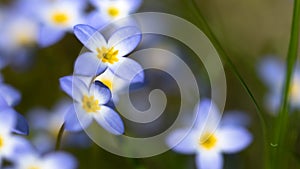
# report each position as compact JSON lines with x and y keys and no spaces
{"x":272,"y":72}
{"x":10,"y":97}
{"x":89,"y":104}
{"x":57,"y":18}
{"x":57,"y":160}
{"x":108,"y":54}
{"x":10,"y":145}
{"x":209,"y":140}
{"x":107,"y":10}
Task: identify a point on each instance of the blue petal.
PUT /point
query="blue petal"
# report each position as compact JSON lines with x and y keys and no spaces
{"x":60,"y":160}
{"x":110,"y":120}
{"x":89,"y":37}
{"x":10,"y":94}
{"x":66,"y":84}
{"x":49,"y":36}
{"x":209,"y":160}
{"x":3,"y":103}
{"x":128,"y":69}
{"x":21,"y":125}
{"x":88,"y":64}
{"x":76,"y":119}
{"x":101,"y":92}
{"x":7,"y":119}
{"x":96,"y":20}
{"x":182,"y":141}
{"x":125,"y":40}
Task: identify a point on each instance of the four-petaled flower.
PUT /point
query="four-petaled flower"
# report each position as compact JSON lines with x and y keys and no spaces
{"x":89,"y":103}
{"x":207,"y":139}
{"x":109,"y":54}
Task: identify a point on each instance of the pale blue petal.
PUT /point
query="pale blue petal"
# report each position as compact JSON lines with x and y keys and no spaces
{"x":49,"y":36}
{"x":76,"y":120}
{"x":3,"y":102}
{"x":110,"y":120}
{"x":134,"y":5}
{"x":125,"y":40}
{"x":209,"y":160}
{"x":88,"y":64}
{"x":21,"y":125}
{"x":101,"y":92}
{"x":272,"y":71}
{"x":7,"y":119}
{"x":66,"y":84}
{"x":129,"y":70}
{"x":89,"y":37}
{"x":10,"y":94}
{"x":272,"y":101}
{"x":234,"y":139}
{"x":60,"y":160}
{"x":20,"y":146}
{"x":182,"y":141}
{"x":96,"y":20}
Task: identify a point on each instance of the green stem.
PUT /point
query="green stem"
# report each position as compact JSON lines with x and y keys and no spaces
{"x":283,"y":117}
{"x":59,"y":137}
{"x":205,"y":27}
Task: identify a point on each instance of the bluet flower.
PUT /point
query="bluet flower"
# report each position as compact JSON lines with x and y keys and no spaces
{"x":89,"y":104}
{"x":109,"y":54}
{"x":207,"y":139}
{"x":272,"y":72}
{"x":57,"y":18}
{"x":108,"y":10}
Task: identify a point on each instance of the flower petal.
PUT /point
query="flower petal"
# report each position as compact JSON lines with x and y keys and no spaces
{"x":7,"y":119}
{"x":76,"y":119}
{"x":48,"y":36}
{"x":125,"y":40}
{"x":110,"y":120}
{"x":182,"y":141}
{"x":129,"y":70}
{"x":89,"y":37}
{"x":66,"y":84}
{"x":209,"y":160}
{"x":88,"y":64}
{"x":21,"y":125}
{"x":60,"y":160}
{"x":10,"y":94}
{"x":234,"y":139}
{"x":101,"y":92}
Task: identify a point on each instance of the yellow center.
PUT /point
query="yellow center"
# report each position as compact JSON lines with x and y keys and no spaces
{"x":34,"y":167}
{"x":208,"y":141}
{"x":295,"y":90}
{"x":108,"y":55}
{"x":113,"y":11}
{"x":60,"y":18}
{"x":90,"y":104}
{"x":107,"y":83}
{"x":1,"y":142}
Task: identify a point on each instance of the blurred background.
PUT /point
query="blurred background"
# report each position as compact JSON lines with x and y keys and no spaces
{"x":247,"y":30}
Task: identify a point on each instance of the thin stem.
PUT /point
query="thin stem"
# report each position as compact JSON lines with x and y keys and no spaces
{"x":59,"y":137}
{"x":205,"y":27}
{"x":283,"y":117}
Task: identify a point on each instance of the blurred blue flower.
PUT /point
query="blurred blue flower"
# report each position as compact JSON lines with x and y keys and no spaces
{"x":208,"y":139}
{"x":57,"y":160}
{"x":272,"y":72}
{"x":108,"y":10}
{"x":10,"y":145}
{"x":46,"y":124}
{"x":109,"y":54}
{"x":89,"y":104}
{"x":10,"y":97}
{"x":57,"y":18}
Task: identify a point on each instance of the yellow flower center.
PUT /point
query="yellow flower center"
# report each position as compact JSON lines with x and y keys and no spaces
{"x":108,"y":55}
{"x":113,"y":11}
{"x":34,"y":167}
{"x":60,"y":18}
{"x":90,"y":104}
{"x":107,"y":83}
{"x":295,"y":90}
{"x":1,"y":142}
{"x":208,"y":141}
